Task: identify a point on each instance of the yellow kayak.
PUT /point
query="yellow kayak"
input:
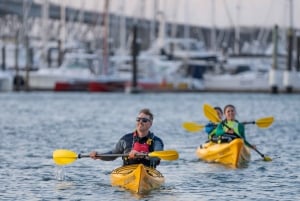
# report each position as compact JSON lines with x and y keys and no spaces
{"x":233,"y":154}
{"x":137,"y":178}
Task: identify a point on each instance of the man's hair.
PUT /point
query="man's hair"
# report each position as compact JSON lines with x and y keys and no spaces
{"x":147,"y":112}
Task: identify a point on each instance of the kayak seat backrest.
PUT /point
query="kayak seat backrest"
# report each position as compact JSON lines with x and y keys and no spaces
{"x":225,"y":138}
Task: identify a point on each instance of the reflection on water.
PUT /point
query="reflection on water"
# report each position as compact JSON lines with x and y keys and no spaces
{"x":64,"y":185}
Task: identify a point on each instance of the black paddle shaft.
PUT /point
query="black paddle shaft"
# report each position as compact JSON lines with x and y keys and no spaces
{"x":262,"y":155}
{"x":248,"y":122}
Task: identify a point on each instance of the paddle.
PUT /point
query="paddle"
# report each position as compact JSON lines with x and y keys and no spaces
{"x":212,"y":115}
{"x":261,"y":123}
{"x":192,"y":126}
{"x":65,"y":157}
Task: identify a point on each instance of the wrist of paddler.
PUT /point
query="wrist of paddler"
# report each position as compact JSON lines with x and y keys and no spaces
{"x":93,"y":155}
{"x":132,"y":154}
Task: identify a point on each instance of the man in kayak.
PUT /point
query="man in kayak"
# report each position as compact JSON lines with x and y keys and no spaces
{"x":210,"y":128}
{"x":230,"y":128}
{"x":137,"y":143}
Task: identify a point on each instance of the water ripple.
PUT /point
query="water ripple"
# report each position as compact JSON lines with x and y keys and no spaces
{"x":40,"y":123}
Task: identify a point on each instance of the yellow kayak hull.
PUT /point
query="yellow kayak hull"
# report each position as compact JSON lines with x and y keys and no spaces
{"x":137,"y":178}
{"x":233,"y":154}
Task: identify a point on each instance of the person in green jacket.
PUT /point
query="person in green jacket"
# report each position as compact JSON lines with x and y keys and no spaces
{"x":230,"y":127}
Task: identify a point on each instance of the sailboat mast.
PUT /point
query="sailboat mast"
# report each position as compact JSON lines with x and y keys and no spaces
{"x":44,"y":36}
{"x":237,"y":30}
{"x":105,"y":37}
{"x":213,"y":23}
{"x":153,"y":22}
{"x":122,"y":26}
{"x":186,"y":16}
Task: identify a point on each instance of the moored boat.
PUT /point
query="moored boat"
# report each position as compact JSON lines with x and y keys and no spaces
{"x":233,"y":154}
{"x":137,"y":178}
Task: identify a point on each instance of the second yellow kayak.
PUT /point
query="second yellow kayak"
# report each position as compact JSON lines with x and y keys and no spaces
{"x":233,"y":154}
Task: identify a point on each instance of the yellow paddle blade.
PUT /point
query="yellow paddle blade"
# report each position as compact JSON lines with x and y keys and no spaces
{"x":192,"y":126}
{"x":267,"y":158}
{"x":168,"y":155}
{"x":64,"y":157}
{"x":264,"y":122}
{"x":211,"y":113}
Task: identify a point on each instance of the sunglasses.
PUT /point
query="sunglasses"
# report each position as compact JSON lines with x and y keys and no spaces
{"x":144,"y":120}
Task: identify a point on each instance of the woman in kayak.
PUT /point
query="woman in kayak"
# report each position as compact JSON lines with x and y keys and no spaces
{"x":137,"y":143}
{"x":210,"y":128}
{"x":230,"y":128}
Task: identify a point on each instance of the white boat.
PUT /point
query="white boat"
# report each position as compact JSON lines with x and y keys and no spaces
{"x":151,"y":70}
{"x":240,"y":74}
{"x":157,"y":72}
{"x":76,"y":66}
{"x":245,"y":81}
{"x":252,"y":73}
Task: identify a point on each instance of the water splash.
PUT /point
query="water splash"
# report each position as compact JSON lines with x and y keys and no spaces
{"x":60,"y":173}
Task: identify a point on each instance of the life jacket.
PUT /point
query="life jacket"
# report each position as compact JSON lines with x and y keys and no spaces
{"x":144,"y":144}
{"x":210,"y":129}
{"x":227,"y":137}
{"x":234,"y":125}
{"x":141,"y":144}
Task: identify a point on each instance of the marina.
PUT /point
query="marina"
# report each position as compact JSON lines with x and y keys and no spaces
{"x":39,"y":37}
{"x":74,"y":75}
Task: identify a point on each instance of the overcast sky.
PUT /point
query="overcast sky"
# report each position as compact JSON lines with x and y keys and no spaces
{"x":222,"y":13}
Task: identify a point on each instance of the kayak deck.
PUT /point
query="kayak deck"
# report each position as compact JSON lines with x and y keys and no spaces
{"x":233,"y":154}
{"x":137,"y":178}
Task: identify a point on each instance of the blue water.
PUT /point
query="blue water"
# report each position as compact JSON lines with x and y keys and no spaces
{"x":33,"y":125}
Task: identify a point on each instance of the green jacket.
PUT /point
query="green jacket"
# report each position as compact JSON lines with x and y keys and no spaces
{"x":238,"y":128}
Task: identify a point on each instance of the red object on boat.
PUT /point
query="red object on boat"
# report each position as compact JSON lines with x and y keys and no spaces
{"x":111,"y":86}
{"x":71,"y":86}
